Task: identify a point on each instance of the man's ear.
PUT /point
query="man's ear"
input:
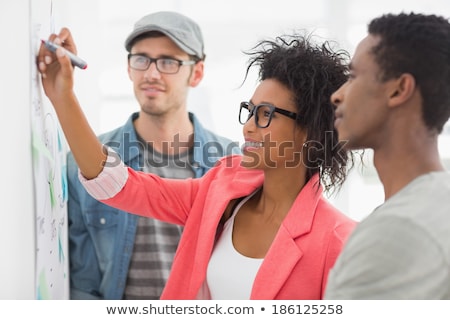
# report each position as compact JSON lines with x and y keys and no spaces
{"x":402,"y":89}
{"x":197,"y":74}
{"x":129,"y":72}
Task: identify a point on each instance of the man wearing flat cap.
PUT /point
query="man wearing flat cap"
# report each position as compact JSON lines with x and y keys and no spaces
{"x":113,"y":254}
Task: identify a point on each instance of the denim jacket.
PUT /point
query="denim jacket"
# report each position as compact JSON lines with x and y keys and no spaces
{"x":101,"y":238}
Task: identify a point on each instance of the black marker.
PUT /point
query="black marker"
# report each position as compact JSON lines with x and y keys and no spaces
{"x":76,"y":61}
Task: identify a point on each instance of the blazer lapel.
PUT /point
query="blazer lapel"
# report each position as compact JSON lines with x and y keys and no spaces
{"x":285,"y":251}
{"x":240,"y":182}
{"x":282,"y":257}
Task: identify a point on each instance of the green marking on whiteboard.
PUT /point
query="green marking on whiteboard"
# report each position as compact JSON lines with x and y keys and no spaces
{"x":39,"y":148}
{"x":42,"y":288}
{"x":51,"y":189}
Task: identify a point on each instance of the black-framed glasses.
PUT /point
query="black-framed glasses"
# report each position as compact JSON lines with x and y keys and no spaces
{"x":164,"y":65}
{"x":263,"y":113}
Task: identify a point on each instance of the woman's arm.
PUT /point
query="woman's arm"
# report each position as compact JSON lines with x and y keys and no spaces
{"x":57,"y":80}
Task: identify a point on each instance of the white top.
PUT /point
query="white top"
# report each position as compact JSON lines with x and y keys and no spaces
{"x":230,"y":275}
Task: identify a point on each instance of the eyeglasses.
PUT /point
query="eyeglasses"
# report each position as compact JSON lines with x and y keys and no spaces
{"x":164,"y":65}
{"x":263,"y":113}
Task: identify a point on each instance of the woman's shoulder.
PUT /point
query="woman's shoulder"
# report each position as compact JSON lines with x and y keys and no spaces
{"x":230,"y":161}
{"x":334,"y":216}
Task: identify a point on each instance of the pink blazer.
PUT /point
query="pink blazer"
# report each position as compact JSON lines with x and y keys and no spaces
{"x":299,"y":259}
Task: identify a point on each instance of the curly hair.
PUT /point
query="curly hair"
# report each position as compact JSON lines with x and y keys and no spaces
{"x":312,"y":72}
{"x":417,"y":44}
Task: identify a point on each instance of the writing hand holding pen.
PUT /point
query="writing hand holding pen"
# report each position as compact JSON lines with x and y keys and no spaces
{"x":55,"y":66}
{"x":76,"y":61}
{"x":57,"y":80}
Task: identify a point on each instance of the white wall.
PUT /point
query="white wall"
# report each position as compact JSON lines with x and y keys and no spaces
{"x":17,"y":247}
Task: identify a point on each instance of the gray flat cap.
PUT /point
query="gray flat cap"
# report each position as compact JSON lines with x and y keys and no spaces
{"x":182,"y":30}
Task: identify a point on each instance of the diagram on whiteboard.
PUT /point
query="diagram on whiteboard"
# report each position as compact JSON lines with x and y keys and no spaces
{"x":50,"y":182}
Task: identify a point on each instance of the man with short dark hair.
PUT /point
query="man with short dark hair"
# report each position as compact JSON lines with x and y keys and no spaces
{"x":396,"y":102}
{"x":113,"y":254}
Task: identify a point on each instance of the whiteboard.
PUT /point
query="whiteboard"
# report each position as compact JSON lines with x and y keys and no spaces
{"x":49,"y":150}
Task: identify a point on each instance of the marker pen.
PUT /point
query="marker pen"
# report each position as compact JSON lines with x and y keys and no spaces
{"x":76,"y":61}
